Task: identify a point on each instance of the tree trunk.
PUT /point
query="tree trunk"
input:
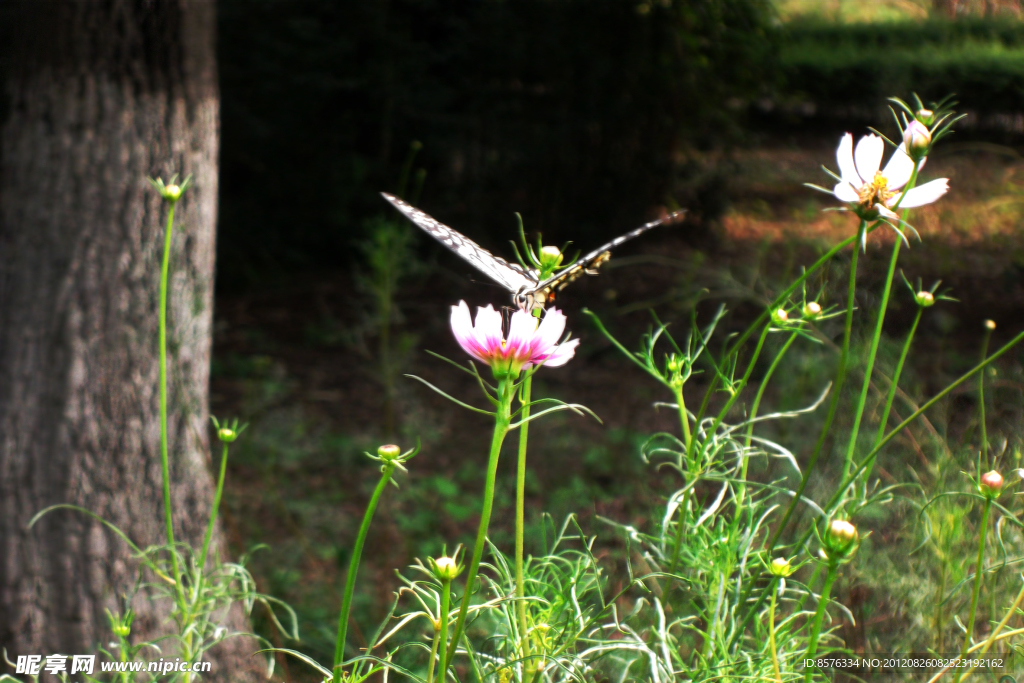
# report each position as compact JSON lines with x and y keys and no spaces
{"x":102,"y":94}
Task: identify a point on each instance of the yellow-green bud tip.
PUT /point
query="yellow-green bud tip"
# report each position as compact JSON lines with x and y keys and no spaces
{"x":924,"y":299}
{"x":780,"y":567}
{"x":389,"y":451}
{"x":990,"y":325}
{"x":779,"y":315}
{"x":991,"y":482}
{"x":447,"y":568}
{"x":122,"y":630}
{"x":925,"y":116}
{"x":812,"y":309}
{"x":226,"y":434}
{"x":550,"y":257}
{"x":842,"y":531}
{"x":172,"y":192}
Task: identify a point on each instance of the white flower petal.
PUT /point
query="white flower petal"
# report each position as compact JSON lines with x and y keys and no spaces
{"x":844,"y":155}
{"x":868,"y":156}
{"x":550,"y":331}
{"x":897,"y":172}
{"x":845,"y":192}
{"x":562,"y":354}
{"x":487,"y":331}
{"x":520,"y":334}
{"x":462,"y":328}
{"x":922,"y":194}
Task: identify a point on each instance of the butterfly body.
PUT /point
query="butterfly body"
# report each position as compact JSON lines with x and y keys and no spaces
{"x":528,"y":290}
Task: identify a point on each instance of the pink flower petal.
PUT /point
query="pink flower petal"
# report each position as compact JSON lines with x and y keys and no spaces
{"x":520,"y":342}
{"x":487,"y":330}
{"x":868,"y":156}
{"x":550,"y":331}
{"x":462,"y":328}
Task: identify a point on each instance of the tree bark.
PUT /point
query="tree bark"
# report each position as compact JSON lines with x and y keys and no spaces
{"x":102,"y":94}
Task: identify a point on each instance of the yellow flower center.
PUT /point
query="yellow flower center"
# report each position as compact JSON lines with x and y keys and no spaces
{"x":875,"y":192}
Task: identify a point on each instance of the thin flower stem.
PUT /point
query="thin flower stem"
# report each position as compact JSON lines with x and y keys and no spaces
{"x":819,"y":614}
{"x":894,"y":384}
{"x":684,"y":419}
{"x":441,"y":635}
{"x":215,"y":508}
{"x":165,"y":472}
{"x":978,"y":572}
{"x":981,"y":403}
{"x":433,"y":656}
{"x":502,"y":419}
{"x":520,"y":517}
{"x":819,"y":446}
{"x":870,"y":366}
{"x":353,"y":568}
{"x":999,"y":627}
{"x":771,"y":636}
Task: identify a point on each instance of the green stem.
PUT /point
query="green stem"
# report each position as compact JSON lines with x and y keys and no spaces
{"x":894,"y":384}
{"x":353,"y":568}
{"x":819,"y":446}
{"x":502,"y":420}
{"x":771,"y":636}
{"x":939,"y":639}
{"x":978,"y":572}
{"x":165,"y":472}
{"x":441,"y":636}
{"x":981,"y":403}
{"x":812,"y":643}
{"x":520,"y":518}
{"x":684,"y":419}
{"x":216,"y":507}
{"x":869,"y":368}
{"x":999,"y":627}
{"x":433,"y":656}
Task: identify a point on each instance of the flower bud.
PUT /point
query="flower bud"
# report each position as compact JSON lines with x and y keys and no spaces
{"x":226,"y":434}
{"x":991,"y":483}
{"x":924,"y":298}
{"x":917,"y":139}
{"x":779,"y":316}
{"x":172,"y":193}
{"x":841,"y":532}
{"x":925,"y":116}
{"x":447,"y":568}
{"x":990,"y":325}
{"x":812,"y":309}
{"x":550,"y":257}
{"x":389,"y":451}
{"x":780,"y":567}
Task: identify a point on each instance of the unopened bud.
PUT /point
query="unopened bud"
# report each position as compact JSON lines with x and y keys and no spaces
{"x":780,"y":567}
{"x":389,"y":451}
{"x":917,"y":139}
{"x":990,"y":325}
{"x":925,"y":116}
{"x":812,"y":309}
{"x":172,"y":192}
{"x":924,"y":299}
{"x":991,"y":483}
{"x":446,"y":568}
{"x":226,"y":434}
{"x":842,"y":532}
{"x":779,"y":316}
{"x":550,"y":257}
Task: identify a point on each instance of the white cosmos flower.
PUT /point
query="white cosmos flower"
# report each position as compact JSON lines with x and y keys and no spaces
{"x":874,"y":192}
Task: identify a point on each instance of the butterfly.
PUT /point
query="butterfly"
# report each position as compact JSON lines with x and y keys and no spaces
{"x":528,"y":291}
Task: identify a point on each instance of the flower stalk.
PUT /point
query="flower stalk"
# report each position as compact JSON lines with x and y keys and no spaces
{"x":976,"y":591}
{"x":502,"y":421}
{"x":524,"y":398}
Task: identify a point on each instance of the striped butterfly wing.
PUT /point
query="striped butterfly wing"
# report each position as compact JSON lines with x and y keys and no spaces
{"x":595,"y":258}
{"x":511,"y":276}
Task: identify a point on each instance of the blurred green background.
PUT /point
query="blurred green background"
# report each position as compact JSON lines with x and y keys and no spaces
{"x":587,"y":118}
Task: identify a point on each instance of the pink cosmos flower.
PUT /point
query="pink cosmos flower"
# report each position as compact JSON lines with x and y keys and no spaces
{"x":528,"y":342}
{"x":874,"y":192}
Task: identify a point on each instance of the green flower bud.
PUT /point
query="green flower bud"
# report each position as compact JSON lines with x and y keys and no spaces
{"x":991,"y":483}
{"x":924,"y":299}
{"x":779,"y":316}
{"x":841,"y":533}
{"x":780,"y":567}
{"x":917,"y":139}
{"x":812,"y":309}
{"x":990,"y":325}
{"x":446,"y":568}
{"x":226,"y":434}
{"x":389,"y":451}
{"x":550,"y":258}
{"x":925,"y":116}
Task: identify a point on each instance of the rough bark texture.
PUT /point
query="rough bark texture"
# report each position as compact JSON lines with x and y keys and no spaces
{"x":102,"y":94}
